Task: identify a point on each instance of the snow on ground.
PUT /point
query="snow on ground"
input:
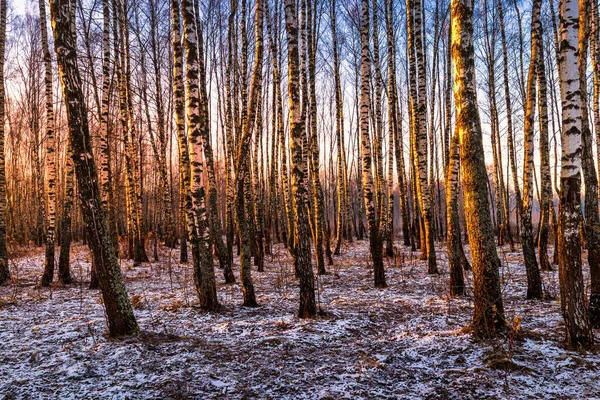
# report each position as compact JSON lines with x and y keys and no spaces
{"x":404,"y":342}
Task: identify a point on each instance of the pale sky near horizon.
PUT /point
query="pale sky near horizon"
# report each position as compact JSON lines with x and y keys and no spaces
{"x":19,"y":6}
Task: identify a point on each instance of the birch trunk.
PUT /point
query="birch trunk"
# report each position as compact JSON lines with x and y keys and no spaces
{"x":394,"y":114}
{"x":182,"y":141}
{"x":4,"y":270}
{"x":592,"y":221}
{"x":243,"y":177}
{"x":488,"y":314}
{"x":119,"y":312}
{"x":572,"y":289}
{"x":420,"y":137}
{"x":454,"y":243}
{"x":369,"y":187}
{"x":342,"y":196}
{"x":588,"y":154}
{"x":534,"y":281}
{"x":107,"y":194}
{"x":546,"y":207}
{"x":509,"y":118}
{"x":299,"y":146}
{"x":64,"y":271}
{"x":280,"y":133}
{"x":318,"y":202}
{"x":215,"y":229}
{"x":230,"y":131}
{"x":48,"y":275}
{"x":130,"y":139}
{"x":595,"y":56}
{"x":380,"y":185}
{"x":198,"y":221}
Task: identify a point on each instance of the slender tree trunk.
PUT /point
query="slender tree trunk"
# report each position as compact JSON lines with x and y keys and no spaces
{"x":281,"y":139}
{"x":360,"y":205}
{"x":182,"y":141}
{"x":119,"y":312}
{"x":554,"y":113}
{"x":298,"y":146}
{"x":420,"y":136}
{"x":534,"y":281}
{"x":509,"y":121}
{"x":546,"y":207}
{"x":198,"y":220}
{"x":488,"y":315}
{"x":392,"y":128}
{"x":4,"y":270}
{"x":256,"y":192}
{"x":314,"y":153}
{"x":122,"y":102}
{"x":595,"y":56}
{"x":166,"y":200}
{"x":130,"y":138}
{"x":230,"y":132}
{"x":369,"y":187}
{"x":243,"y":194}
{"x":105,"y":175}
{"x":380,"y":184}
{"x":64,"y":271}
{"x":454,"y":237}
{"x":592,"y":215}
{"x":48,"y":275}
{"x":572,"y":289}
{"x":215,"y":229}
{"x":592,"y":220}
{"x":399,"y":154}
{"x":342,"y":197}
{"x":454,"y":242}
{"x":135,"y":137}
{"x":501,"y":205}
{"x":521,"y":80}
{"x":433,"y":154}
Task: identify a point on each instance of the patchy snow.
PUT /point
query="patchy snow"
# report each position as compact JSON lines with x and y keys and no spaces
{"x":406,"y":341}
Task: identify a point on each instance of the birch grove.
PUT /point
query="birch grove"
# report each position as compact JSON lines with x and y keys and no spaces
{"x":237,"y":139}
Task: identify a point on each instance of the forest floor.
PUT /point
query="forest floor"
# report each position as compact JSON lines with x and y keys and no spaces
{"x":407,"y":341}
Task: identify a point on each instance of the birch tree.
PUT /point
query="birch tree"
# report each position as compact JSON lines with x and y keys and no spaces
{"x":343,"y":229}
{"x":318,"y":202}
{"x":119,"y":313}
{"x":4,"y":270}
{"x":198,"y":221}
{"x":454,"y":244}
{"x":572,"y":289}
{"x":588,"y":154}
{"x":395,"y":127}
{"x":130,"y":133}
{"x":512,"y":159}
{"x":419,"y":122}
{"x":48,"y":275}
{"x":105,"y":155}
{"x":546,"y":196}
{"x":170,"y":236}
{"x":180,"y":128}
{"x":64,"y":271}
{"x":243,"y":177}
{"x":488,"y":313}
{"x":280,"y":133}
{"x":299,"y":145}
{"x":369,"y":187}
{"x":591,"y":218}
{"x":534,"y":281}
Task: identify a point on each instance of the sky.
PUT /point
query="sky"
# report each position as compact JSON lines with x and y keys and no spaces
{"x":19,"y":6}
